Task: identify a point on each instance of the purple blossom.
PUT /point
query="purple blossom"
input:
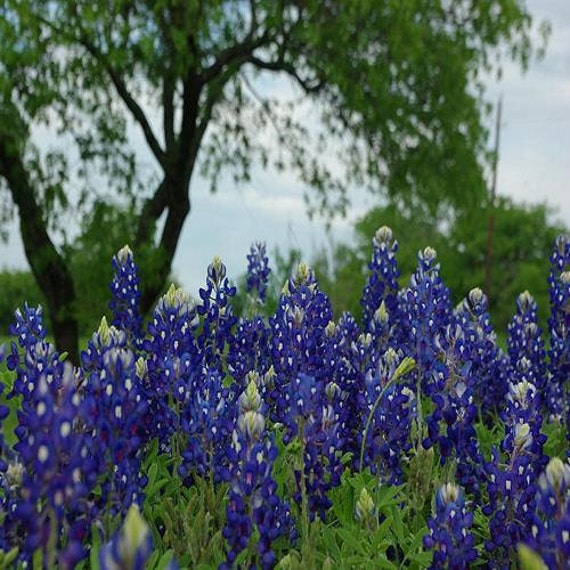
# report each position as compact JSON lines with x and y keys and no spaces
{"x":550,"y":533}
{"x":253,"y":500}
{"x":298,"y":338}
{"x":450,"y":538}
{"x":258,"y":272}
{"x":126,"y":297}
{"x":250,"y":350}
{"x":130,"y":547}
{"x":390,"y":409}
{"x":382,"y":284}
{"x":426,"y":309}
{"x":558,"y":389}
{"x":525,"y":339}
{"x":451,"y":424}
{"x":512,"y":477}
{"x":172,"y":358}
{"x":50,"y":477}
{"x":217,"y":316}
{"x":115,"y":413}
{"x":489,"y":364}
{"x":207,"y":421}
{"x":312,"y":419}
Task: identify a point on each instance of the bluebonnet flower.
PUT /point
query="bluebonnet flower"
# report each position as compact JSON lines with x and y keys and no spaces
{"x":525,"y":339}
{"x":312,"y":419}
{"x":29,"y":329}
{"x":382,"y":283}
{"x":172,"y":358}
{"x":489,"y":365}
{"x":550,"y":533}
{"x":450,"y":538}
{"x":253,"y":500}
{"x":426,"y":312}
{"x":250,"y":349}
{"x":390,"y":409}
{"x":207,"y":421}
{"x":115,"y":412}
{"x":512,"y":480}
{"x":298,"y":343}
{"x":126,"y":297}
{"x":130,"y":547}
{"x":217,"y":316}
{"x":346,"y":370}
{"x":365,"y":510}
{"x":451,"y":424}
{"x":258,"y":272}
{"x":558,"y":389}
{"x":4,"y":413}
{"x":48,"y":482}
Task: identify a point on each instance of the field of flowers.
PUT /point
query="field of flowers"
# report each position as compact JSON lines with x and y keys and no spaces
{"x":289,"y":440}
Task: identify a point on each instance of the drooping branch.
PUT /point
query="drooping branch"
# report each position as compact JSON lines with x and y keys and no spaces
{"x":168,"y":87}
{"x":120,"y":86}
{"x":309,"y":87}
{"x":234,"y":55}
{"x":136,"y":110}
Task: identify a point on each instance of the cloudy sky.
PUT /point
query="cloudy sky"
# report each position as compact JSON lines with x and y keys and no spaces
{"x":534,"y":166}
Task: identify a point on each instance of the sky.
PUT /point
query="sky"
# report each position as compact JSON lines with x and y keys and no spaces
{"x":534,"y":167}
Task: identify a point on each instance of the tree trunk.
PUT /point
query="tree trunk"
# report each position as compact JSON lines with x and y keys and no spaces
{"x":49,"y":268}
{"x":177,"y":203}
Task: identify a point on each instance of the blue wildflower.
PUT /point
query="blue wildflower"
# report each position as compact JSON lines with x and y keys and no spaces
{"x":390,"y":409}
{"x":207,"y":421}
{"x":298,"y":340}
{"x":426,"y":312}
{"x":130,"y":547}
{"x":115,"y":412}
{"x":217,"y":316}
{"x":312,"y":418}
{"x":550,"y":533}
{"x":49,"y":480}
{"x":382,"y":284}
{"x":512,"y":480}
{"x":126,"y":297}
{"x":172,"y":358}
{"x":253,"y":500}
{"x":489,"y":365}
{"x":258,"y":272}
{"x":450,"y":538}
{"x":558,"y":389}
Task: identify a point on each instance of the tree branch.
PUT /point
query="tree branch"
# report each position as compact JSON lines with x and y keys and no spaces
{"x":309,"y":87}
{"x":237,"y":54}
{"x":123,"y":92}
{"x":168,"y":111}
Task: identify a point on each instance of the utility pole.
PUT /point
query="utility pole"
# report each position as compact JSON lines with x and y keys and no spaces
{"x":492,"y":199}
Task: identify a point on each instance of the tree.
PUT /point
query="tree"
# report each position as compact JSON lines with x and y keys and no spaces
{"x":397,"y":86}
{"x":524,"y":238}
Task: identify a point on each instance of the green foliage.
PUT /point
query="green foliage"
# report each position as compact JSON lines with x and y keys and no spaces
{"x":523,"y":240}
{"x":89,"y":260}
{"x":18,"y":287}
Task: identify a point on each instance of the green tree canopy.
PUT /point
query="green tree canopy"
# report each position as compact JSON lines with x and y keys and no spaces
{"x":396,"y":85}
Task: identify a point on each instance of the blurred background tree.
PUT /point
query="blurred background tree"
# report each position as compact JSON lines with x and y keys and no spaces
{"x":397,"y":87}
